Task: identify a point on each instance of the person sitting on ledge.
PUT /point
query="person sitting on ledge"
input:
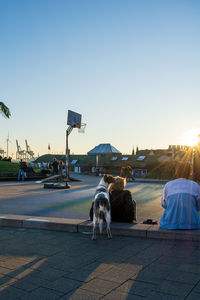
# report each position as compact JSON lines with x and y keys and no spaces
{"x":181,"y":201}
{"x":123,"y":207}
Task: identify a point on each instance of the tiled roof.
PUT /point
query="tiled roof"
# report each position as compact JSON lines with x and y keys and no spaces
{"x":104,"y":149}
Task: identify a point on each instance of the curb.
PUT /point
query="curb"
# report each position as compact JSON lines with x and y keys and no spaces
{"x":85,"y":226}
{"x":57,"y":224}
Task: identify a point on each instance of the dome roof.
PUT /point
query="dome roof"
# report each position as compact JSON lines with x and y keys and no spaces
{"x":104,"y":149}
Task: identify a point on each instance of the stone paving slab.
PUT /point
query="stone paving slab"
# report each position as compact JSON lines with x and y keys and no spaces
{"x":65,"y":265}
{"x":81,"y":295}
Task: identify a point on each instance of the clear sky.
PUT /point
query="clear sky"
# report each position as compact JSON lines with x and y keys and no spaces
{"x":130,"y":67}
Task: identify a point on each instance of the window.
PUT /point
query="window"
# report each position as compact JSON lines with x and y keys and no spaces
{"x":142,"y":157}
{"x":125,"y":158}
{"x":114,"y":158}
{"x":74,"y":161}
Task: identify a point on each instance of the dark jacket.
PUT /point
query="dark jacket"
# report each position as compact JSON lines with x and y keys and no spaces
{"x":23,"y":165}
{"x":123,"y":207}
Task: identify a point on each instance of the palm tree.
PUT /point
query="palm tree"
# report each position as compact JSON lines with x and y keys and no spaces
{"x":5,"y":110}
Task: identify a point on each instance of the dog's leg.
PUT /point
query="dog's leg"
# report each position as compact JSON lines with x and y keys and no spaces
{"x":100,"y":226}
{"x":94,"y":227}
{"x":108,"y":220}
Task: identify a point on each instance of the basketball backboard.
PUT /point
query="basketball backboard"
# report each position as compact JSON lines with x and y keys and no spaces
{"x":74,"y":119}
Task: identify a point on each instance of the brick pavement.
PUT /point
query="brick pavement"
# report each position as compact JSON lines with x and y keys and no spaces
{"x":43,"y":264}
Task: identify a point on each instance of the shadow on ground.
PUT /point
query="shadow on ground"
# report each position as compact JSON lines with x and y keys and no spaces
{"x":36,"y":264}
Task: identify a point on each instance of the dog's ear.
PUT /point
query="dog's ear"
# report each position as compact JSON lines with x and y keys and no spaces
{"x":110,"y":179}
{"x":105,"y":177}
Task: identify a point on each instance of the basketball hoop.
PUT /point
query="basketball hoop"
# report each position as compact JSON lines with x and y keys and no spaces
{"x":82,"y":128}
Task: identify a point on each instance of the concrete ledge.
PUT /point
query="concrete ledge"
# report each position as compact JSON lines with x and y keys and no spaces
{"x":125,"y":229}
{"x":35,"y":223}
{"x":159,"y":233}
{"x":57,"y":224}
{"x":129,"y":229}
{"x":85,"y":226}
{"x":48,"y":223}
{"x":11,"y":220}
{"x":80,"y":225}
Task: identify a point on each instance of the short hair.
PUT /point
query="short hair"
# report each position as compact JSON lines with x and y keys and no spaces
{"x":119,"y":184}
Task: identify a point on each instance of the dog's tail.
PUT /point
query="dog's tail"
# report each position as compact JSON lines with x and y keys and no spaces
{"x":101,"y":219}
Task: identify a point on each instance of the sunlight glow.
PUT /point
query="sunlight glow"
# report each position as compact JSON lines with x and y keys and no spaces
{"x":190,"y":138}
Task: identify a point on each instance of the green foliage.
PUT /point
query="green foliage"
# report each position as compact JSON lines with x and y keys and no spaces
{"x":12,"y":167}
{"x":8,"y":167}
{"x":4,"y":110}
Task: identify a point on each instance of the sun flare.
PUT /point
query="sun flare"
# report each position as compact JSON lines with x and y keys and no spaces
{"x":190,"y":137}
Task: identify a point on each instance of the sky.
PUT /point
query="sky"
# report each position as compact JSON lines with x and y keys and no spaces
{"x":130,"y":67}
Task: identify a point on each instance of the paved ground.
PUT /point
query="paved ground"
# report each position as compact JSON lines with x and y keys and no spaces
{"x":37,"y":264}
{"x":30,"y":198}
{"x":41,"y":264}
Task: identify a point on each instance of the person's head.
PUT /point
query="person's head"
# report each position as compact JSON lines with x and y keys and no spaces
{"x":119,"y":184}
{"x":183,"y":170}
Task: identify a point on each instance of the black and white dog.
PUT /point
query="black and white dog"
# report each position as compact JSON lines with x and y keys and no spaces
{"x":101,"y":205}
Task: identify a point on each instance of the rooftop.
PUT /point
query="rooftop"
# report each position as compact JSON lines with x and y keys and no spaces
{"x":104,"y":149}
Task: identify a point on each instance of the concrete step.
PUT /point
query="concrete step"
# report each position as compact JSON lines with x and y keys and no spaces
{"x":85,"y":227}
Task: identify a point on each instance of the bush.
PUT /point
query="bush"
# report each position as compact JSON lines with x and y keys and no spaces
{"x":8,"y":167}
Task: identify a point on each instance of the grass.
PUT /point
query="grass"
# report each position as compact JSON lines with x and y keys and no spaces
{"x":11,"y":167}
{"x":8,"y":167}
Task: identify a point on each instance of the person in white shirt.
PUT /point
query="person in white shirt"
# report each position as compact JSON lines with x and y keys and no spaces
{"x":181,"y":201}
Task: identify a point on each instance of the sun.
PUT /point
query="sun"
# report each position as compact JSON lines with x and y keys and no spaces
{"x":190,"y":137}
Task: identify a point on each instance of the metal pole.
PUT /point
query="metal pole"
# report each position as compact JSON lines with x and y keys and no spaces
{"x":68,"y":131}
{"x":67,"y":156}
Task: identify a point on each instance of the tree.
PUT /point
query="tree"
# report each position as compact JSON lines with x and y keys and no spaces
{"x":5,"y":110}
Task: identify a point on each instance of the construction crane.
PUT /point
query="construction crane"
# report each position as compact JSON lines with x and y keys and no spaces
{"x":20,"y":154}
{"x":29,"y":152}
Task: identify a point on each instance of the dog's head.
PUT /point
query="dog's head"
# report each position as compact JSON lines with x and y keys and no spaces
{"x":118,"y":184}
{"x":108,"y":178}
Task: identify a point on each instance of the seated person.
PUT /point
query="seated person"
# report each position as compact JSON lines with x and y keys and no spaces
{"x":44,"y":168}
{"x":123,"y":207}
{"x":181,"y":201}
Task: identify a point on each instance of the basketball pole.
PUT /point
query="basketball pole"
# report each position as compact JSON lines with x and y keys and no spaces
{"x":68,"y":131}
{"x":74,"y":121}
